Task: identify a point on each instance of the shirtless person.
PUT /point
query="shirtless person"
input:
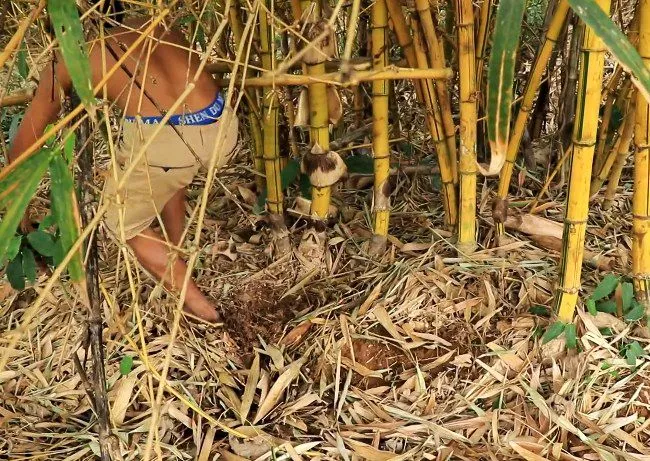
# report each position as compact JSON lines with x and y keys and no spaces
{"x":151,"y":80}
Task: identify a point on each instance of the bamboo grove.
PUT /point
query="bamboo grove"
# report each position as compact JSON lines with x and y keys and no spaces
{"x":302,"y":74}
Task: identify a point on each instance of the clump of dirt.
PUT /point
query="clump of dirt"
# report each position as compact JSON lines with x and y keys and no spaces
{"x":375,"y":356}
{"x":254,"y":310}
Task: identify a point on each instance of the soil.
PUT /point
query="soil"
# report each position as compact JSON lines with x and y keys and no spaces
{"x":254,"y":310}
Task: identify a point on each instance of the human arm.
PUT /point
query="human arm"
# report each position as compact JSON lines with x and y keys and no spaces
{"x":42,"y":110}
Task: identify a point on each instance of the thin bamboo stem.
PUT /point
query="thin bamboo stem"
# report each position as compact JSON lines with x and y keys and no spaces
{"x":380,"y":145}
{"x":468,"y":119}
{"x":434,"y":123}
{"x":437,"y":59}
{"x":620,"y":148}
{"x":641,"y":197}
{"x":536,"y":74}
{"x":584,"y":141}
{"x":609,"y":96}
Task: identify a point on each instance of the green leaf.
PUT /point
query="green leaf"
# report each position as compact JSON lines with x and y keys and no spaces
{"x":13,"y":126}
{"x":627,"y":295}
{"x":606,"y":331}
{"x":606,"y":306}
{"x":41,"y":242}
{"x":69,"y":32}
{"x":542,"y":311}
{"x":29,"y":264}
{"x":15,"y":273}
{"x":501,"y":73}
{"x":636,"y":313}
{"x":18,"y":184}
{"x":21,"y":63}
{"x":47,"y":222}
{"x":570,"y":336}
{"x":553,"y":332}
{"x":305,"y":186}
{"x":289,"y":173}
{"x":605,"y":287}
{"x":637,"y":349}
{"x":14,"y":246}
{"x":68,"y":147}
{"x":64,"y":210}
{"x":617,"y":44}
{"x":126,"y":365}
{"x":359,"y":164}
{"x":591,"y":307}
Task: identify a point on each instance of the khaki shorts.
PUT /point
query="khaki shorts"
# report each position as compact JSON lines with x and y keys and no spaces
{"x":167,"y":167}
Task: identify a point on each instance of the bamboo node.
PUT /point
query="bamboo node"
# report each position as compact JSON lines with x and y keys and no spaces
{"x":499,"y":210}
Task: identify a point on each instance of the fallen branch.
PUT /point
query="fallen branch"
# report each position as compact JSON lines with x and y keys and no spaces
{"x":95,"y":323}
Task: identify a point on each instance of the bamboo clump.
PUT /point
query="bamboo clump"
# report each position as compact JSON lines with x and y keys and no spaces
{"x":532,"y":85}
{"x":584,"y":141}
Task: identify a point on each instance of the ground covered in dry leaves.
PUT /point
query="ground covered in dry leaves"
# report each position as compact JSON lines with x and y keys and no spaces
{"x":422,"y":355}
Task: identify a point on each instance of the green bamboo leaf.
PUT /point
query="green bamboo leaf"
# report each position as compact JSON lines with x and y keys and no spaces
{"x":69,"y":33}
{"x":29,"y":264}
{"x":289,"y":173}
{"x":606,"y":306}
{"x":591,"y":307}
{"x":501,"y":73}
{"x":615,"y":41}
{"x":15,"y":273}
{"x":636,"y":313}
{"x":126,"y":365}
{"x":21,"y":63}
{"x":42,"y":242}
{"x":605,"y":287}
{"x":68,"y":147}
{"x":570,"y":336}
{"x":13,"y":126}
{"x":627,"y":295}
{"x":553,"y":332}
{"x":14,"y":246}
{"x":17,"y":187}
{"x":361,"y":164}
{"x":65,"y":211}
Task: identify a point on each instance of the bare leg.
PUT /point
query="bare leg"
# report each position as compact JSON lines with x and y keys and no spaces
{"x":173,"y":217}
{"x":153,"y":254}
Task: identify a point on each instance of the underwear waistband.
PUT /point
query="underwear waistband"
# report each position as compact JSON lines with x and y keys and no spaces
{"x":205,"y":116}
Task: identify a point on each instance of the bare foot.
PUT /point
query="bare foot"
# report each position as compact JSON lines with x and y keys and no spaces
{"x":202,"y":309}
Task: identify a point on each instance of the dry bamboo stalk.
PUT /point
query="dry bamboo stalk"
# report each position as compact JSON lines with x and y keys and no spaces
{"x":468,"y":117}
{"x":437,"y":59}
{"x":609,"y":96}
{"x":434,"y":122}
{"x":536,"y":74}
{"x":481,"y":39}
{"x":641,"y":198}
{"x":271,"y":154}
{"x":380,"y":145}
{"x":584,"y":142}
{"x":620,"y":149}
{"x":253,"y":110}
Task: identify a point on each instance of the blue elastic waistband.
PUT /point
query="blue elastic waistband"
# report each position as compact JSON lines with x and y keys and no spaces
{"x":202,"y":117}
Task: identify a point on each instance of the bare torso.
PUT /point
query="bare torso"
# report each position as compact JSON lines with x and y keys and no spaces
{"x":163,"y":66}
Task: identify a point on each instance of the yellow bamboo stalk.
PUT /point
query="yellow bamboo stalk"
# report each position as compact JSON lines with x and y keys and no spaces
{"x":319,"y":117}
{"x":270,"y":109}
{"x":609,"y":95}
{"x":253,"y":110}
{"x":622,"y":152}
{"x":584,"y":141}
{"x":468,"y":118}
{"x":437,"y":60}
{"x":380,"y":145}
{"x":404,"y":39}
{"x":481,"y":39}
{"x":641,"y":197}
{"x":620,"y":148}
{"x":536,"y":74}
{"x":434,"y":123}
